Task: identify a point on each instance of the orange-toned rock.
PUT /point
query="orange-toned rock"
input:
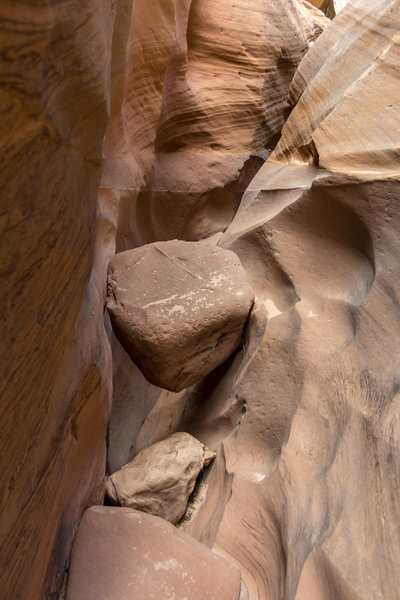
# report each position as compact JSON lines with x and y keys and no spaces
{"x":161,"y":193}
{"x":178,"y":308}
{"x":123,"y":554}
{"x":328,"y":6}
{"x":55,"y":364}
{"x":307,"y":410}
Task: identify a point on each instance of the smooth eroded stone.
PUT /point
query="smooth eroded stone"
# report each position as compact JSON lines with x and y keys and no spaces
{"x":160,"y":479}
{"x":178,"y":308}
{"x":123,"y":554}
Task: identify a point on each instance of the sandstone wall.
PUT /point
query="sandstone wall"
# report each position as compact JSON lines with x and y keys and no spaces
{"x":55,"y":357}
{"x":205,"y":101}
{"x":316,"y":454}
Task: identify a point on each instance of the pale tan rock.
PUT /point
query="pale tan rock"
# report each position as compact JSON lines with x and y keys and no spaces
{"x":308,"y":412}
{"x":127,"y":555}
{"x":330,"y":95}
{"x":178,"y":308}
{"x":192,"y":192}
{"x":160,"y":479}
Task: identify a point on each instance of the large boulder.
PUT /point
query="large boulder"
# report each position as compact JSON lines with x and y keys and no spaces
{"x":178,"y":308}
{"x":160,"y":479}
{"x":127,"y":555}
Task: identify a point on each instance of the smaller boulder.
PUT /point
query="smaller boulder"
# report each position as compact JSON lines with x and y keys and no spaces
{"x":160,"y":479}
{"x":178,"y":308}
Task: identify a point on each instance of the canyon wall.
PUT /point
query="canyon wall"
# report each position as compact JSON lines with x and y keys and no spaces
{"x":205,"y":101}
{"x":55,"y":358}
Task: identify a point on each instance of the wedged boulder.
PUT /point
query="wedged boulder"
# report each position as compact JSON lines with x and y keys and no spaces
{"x":178,"y":308}
{"x":160,"y":479}
{"x":123,"y":554}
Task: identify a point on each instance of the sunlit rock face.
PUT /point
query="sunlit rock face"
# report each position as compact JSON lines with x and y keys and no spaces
{"x":55,"y":359}
{"x":339,"y":5}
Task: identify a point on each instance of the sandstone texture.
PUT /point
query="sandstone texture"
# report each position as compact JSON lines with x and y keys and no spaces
{"x":55,"y":365}
{"x":205,"y":100}
{"x":239,"y":61}
{"x":256,"y":130}
{"x":178,"y":308}
{"x":330,"y":7}
{"x":316,"y":234}
{"x":307,"y":410}
{"x":125,"y":554}
{"x":161,"y":478}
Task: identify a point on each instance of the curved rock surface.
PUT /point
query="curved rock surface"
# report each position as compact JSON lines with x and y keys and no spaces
{"x":304,"y":414}
{"x":330,"y":7}
{"x":178,"y":308}
{"x":123,"y":554}
{"x":328,"y":96}
{"x":318,"y":246}
{"x":55,"y":365}
{"x":307,"y":410}
{"x":205,"y":101}
{"x":160,"y":479}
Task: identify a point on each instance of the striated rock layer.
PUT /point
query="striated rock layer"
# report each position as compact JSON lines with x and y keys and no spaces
{"x":205,"y":101}
{"x":303,"y":417}
{"x":65,"y":75}
{"x":317,"y":233}
{"x":55,"y":358}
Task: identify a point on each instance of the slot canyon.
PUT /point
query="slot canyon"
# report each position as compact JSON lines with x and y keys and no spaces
{"x":200,"y":273}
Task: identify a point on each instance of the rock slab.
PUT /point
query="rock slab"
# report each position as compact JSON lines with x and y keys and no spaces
{"x":178,"y":308}
{"x":127,"y":555}
{"x":160,"y":479}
